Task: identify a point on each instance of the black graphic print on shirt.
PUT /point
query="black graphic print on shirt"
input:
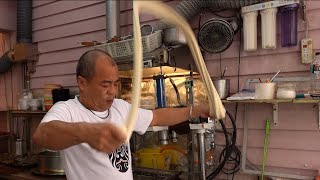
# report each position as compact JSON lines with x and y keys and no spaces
{"x":120,"y":159}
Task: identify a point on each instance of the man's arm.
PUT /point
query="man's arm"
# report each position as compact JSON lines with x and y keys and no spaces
{"x":58,"y":135}
{"x":173,"y":116}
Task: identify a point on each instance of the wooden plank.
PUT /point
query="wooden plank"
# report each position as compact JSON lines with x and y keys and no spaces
{"x":59,"y":7}
{"x":88,"y":12}
{"x":8,"y":14}
{"x":17,"y":75}
{"x":126,"y":17}
{"x":286,"y":158}
{"x":313,"y":5}
{"x":65,"y":80}
{"x":55,"y":69}
{"x":127,"y":5}
{"x":56,"y":56}
{"x":3,"y":121}
{"x":36,"y":3}
{"x":266,"y":64}
{"x":82,"y":27}
{"x":70,"y":42}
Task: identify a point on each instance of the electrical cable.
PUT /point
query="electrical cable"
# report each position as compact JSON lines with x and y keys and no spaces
{"x":234,"y":160}
{"x":176,"y":90}
{"x":228,"y":148}
{"x":199,"y":25}
{"x":220,"y":65}
{"x":235,"y":154}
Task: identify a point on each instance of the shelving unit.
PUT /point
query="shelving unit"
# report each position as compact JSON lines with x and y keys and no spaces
{"x":275,"y":105}
{"x":28,"y":115}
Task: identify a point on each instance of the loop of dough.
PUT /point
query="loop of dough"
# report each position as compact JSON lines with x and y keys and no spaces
{"x":162,"y":11}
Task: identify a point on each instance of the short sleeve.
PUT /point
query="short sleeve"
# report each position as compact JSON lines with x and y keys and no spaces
{"x":144,"y":118}
{"x":59,"y":111}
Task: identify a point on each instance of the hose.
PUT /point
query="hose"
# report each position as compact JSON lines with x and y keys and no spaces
{"x":5,"y":62}
{"x":24,"y":21}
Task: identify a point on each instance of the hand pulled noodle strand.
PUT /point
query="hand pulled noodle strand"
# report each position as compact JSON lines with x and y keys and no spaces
{"x":167,"y":14}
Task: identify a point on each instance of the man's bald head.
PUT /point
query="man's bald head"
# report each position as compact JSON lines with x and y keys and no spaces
{"x":87,"y":63}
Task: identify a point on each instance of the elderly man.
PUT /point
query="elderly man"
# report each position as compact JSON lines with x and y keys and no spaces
{"x":86,"y":129}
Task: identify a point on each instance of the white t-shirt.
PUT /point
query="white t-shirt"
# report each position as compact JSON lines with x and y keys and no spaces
{"x":81,"y":162}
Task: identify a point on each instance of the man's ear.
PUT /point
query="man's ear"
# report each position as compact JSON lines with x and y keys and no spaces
{"x":82,"y":82}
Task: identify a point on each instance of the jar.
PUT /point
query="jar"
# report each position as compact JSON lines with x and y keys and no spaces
{"x":286,"y":91}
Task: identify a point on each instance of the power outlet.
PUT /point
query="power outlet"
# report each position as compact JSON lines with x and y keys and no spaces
{"x":306,"y":51}
{"x":217,"y":125}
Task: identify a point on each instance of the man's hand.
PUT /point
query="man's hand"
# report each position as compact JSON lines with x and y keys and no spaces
{"x":105,"y":137}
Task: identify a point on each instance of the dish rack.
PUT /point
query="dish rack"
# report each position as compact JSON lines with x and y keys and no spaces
{"x":125,"y":47}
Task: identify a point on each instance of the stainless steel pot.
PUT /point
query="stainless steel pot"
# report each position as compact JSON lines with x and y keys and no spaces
{"x":50,"y":162}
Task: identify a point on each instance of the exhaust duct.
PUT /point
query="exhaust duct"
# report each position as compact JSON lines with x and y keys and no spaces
{"x":190,"y":8}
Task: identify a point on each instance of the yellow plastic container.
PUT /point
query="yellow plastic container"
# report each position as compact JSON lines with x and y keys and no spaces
{"x":152,"y":158}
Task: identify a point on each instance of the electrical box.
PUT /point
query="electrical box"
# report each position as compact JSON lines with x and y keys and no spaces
{"x":306,"y":50}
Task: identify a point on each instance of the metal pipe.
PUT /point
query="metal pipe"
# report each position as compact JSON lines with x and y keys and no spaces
{"x":202,"y":156}
{"x":112,"y":18}
{"x":174,"y":137}
{"x":164,"y":137}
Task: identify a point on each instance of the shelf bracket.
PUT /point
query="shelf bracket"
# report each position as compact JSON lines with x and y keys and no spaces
{"x":275,"y":114}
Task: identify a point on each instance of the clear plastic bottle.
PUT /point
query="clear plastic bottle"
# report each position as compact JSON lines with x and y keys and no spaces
{"x":315,"y":76}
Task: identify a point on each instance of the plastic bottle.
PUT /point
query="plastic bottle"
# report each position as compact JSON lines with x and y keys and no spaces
{"x":250,"y":30}
{"x":289,"y":24}
{"x":269,"y":28}
{"x":315,"y":77}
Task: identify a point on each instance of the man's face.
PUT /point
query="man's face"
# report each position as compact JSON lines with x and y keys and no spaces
{"x":101,"y":90}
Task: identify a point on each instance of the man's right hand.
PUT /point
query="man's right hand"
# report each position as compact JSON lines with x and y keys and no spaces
{"x":105,"y":137}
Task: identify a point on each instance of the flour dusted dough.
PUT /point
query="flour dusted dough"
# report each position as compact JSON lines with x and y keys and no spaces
{"x":162,"y":11}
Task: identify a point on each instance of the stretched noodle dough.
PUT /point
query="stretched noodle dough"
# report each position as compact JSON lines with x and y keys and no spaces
{"x":162,"y":11}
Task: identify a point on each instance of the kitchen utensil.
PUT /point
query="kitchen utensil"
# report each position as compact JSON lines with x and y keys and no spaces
{"x":174,"y":36}
{"x":223,"y":87}
{"x":224,"y":71}
{"x":276,"y":74}
{"x":50,"y":162}
{"x":265,"y":90}
{"x":286,"y":91}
